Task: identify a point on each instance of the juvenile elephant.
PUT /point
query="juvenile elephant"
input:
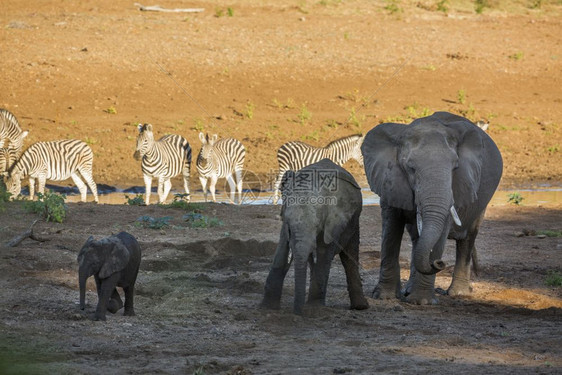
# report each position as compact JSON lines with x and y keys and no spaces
{"x":320,"y":213}
{"x":114,"y":261}
{"x":435,"y":177}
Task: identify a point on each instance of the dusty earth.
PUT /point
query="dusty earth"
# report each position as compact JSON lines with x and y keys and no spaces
{"x":199,"y":288}
{"x":267,"y":72}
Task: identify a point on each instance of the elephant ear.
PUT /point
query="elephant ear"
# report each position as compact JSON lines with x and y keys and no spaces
{"x":470,"y":150}
{"x":384,"y":174}
{"x":115,"y":260}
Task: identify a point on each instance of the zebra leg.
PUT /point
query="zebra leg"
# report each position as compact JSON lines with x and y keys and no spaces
{"x":148,"y":184}
{"x":239,"y":184}
{"x":232,"y":186}
{"x":81,"y":186}
{"x":160,"y":188}
{"x":204,"y":186}
{"x":31,"y":188}
{"x":186,"y":185}
{"x":167,"y":187}
{"x":87,"y":174}
{"x":212,"y":187}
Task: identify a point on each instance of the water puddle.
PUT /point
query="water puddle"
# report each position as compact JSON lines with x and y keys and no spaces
{"x":110,"y":195}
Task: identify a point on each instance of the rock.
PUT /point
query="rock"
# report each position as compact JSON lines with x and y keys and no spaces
{"x":541,"y":236}
{"x":519,"y":234}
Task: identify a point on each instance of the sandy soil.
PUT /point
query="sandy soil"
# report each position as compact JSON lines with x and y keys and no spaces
{"x":198,"y":293}
{"x":274,"y":72}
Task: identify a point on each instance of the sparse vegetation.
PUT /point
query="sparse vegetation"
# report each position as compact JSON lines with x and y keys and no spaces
{"x":516,"y":56}
{"x":111,"y":110}
{"x":461,"y":96}
{"x":198,"y":220}
{"x":550,"y":233}
{"x":137,"y":200}
{"x":393,"y":6}
{"x":229,"y":12}
{"x":90,"y":141}
{"x":50,"y":205}
{"x":479,"y":6}
{"x":198,"y":125}
{"x":249,"y":111}
{"x":180,"y":202}
{"x":515,"y":198}
{"x":4,"y":195}
{"x":553,"y":278}
{"x":304,"y":115}
{"x":443,"y":6}
{"x":154,"y":223}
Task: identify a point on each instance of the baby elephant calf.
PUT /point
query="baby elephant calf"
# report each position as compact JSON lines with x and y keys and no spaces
{"x":114,"y":261}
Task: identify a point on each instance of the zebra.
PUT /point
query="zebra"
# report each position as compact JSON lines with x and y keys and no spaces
{"x":296,"y":155}
{"x":163,"y":159}
{"x":10,"y":129}
{"x":220,"y":158}
{"x":56,"y":161}
{"x":8,"y":155}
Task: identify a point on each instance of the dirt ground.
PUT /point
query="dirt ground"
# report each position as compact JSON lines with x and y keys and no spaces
{"x":267,"y":72}
{"x":199,"y":288}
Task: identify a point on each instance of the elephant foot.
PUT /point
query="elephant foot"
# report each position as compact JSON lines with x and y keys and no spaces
{"x":129,"y":312}
{"x":270,"y":305}
{"x":382,"y":291}
{"x":360,"y":304}
{"x":459,"y":289}
{"x":421,"y":297}
{"x":114,"y":305}
{"x":99,"y":317}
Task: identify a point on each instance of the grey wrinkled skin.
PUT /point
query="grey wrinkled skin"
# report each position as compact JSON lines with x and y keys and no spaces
{"x":319,"y":221}
{"x":113,"y":261}
{"x":420,"y":171}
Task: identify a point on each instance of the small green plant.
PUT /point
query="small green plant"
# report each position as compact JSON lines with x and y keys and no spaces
{"x":198,"y":220}
{"x":180,"y":201}
{"x":550,"y":233}
{"x":304,"y":115}
{"x":443,"y":6}
{"x":479,"y":6}
{"x":314,"y":136}
{"x":353,"y":119}
{"x":553,"y":278}
{"x":536,"y":4}
{"x":199,"y":371}
{"x":198,"y":125}
{"x":154,"y":223}
{"x":346,"y":35}
{"x":516,"y":56}
{"x":249,"y":113}
{"x":461,"y":96}
{"x":50,"y":205}
{"x":90,"y":141}
{"x":229,"y":12}
{"x":430,"y":67}
{"x":111,"y":110}
{"x":393,"y":6}
{"x":553,"y":149}
{"x":219,"y":12}
{"x":514,"y":198}
{"x":4,"y":195}
{"x":332,"y":124}
{"x":137,"y":200}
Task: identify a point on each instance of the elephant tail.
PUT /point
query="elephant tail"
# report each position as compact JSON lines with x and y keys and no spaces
{"x":475,"y":265}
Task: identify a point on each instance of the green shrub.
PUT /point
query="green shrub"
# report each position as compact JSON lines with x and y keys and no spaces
{"x":180,"y":201}
{"x":197,"y":220}
{"x":4,"y":195}
{"x":154,"y":223}
{"x":514,"y":198}
{"x":50,"y":205}
{"x":553,"y":278}
{"x":137,"y":200}
{"x":550,"y":233}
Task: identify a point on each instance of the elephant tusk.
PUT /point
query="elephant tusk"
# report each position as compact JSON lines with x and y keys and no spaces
{"x":419,"y":222}
{"x":455,"y":216}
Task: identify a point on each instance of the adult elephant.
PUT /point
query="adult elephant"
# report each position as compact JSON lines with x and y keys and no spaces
{"x":435,"y":177}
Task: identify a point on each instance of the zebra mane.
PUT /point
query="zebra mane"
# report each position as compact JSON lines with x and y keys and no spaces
{"x":343,"y":140}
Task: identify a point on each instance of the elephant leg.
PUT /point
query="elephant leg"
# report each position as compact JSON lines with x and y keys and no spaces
{"x":392,"y":231}
{"x":98,"y":285}
{"x":277,"y":273}
{"x":461,"y":274}
{"x":115,"y":302}
{"x":421,"y":288}
{"x":349,"y":257}
{"x":148,"y":188}
{"x":107,"y":287}
{"x":319,"y":274}
{"x":413,"y":231}
{"x":129,"y":299}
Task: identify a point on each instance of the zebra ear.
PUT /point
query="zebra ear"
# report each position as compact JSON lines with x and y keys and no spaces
{"x":24,"y":134}
{"x":148,"y":127}
{"x":214,"y":139}
{"x":202,"y":138}
{"x":139,"y":126}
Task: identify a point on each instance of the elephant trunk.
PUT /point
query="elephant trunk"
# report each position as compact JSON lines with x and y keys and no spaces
{"x":433,"y":218}
{"x":83,"y":277}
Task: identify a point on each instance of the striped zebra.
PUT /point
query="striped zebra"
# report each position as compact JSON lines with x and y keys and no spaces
{"x":9,"y":155}
{"x":220,"y":158}
{"x":10,"y":130}
{"x":162,"y":159}
{"x":296,"y":155}
{"x":55,"y":161}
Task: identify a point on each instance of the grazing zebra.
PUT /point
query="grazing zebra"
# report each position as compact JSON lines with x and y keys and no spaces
{"x":163,"y":159}
{"x":220,"y":159}
{"x":10,"y":130}
{"x":296,"y":155}
{"x":56,"y":161}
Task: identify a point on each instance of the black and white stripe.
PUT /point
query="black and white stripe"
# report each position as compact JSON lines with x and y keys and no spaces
{"x":220,"y":158}
{"x":55,"y":161}
{"x":296,"y":155}
{"x":8,"y":157}
{"x":162,"y":159}
{"x":10,"y":130}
